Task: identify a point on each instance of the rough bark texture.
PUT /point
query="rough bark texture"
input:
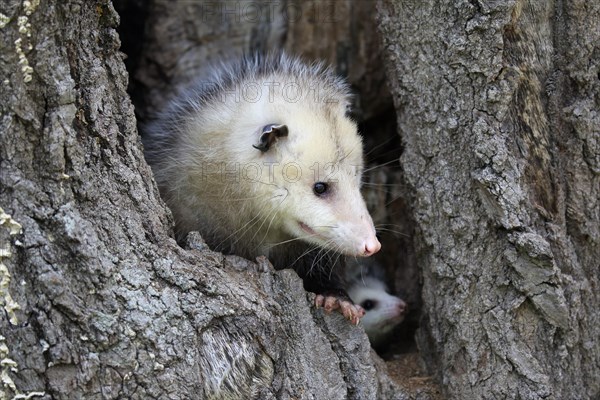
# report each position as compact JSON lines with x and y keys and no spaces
{"x":99,"y":301}
{"x":498,"y":108}
{"x":497,"y":104}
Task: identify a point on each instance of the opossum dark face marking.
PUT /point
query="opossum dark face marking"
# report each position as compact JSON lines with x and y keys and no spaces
{"x":369,"y":304}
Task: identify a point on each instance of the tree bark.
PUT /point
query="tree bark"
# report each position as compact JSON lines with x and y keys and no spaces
{"x":99,"y":300}
{"x":498,"y":109}
{"x":497,"y":105}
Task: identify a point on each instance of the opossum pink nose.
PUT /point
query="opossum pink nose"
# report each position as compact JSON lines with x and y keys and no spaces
{"x":402,"y":307}
{"x":371,"y":246}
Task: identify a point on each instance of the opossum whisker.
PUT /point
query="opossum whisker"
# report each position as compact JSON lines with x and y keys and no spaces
{"x":377,"y":188}
{"x":387,"y":191}
{"x":314,"y":261}
{"x":260,"y":243}
{"x":393,"y":200}
{"x":366,"y":183}
{"x":399,"y":226}
{"x":395,"y":151}
{"x":347,"y":154}
{"x":363,"y":273}
{"x":333,"y":256}
{"x":392,"y":231}
{"x":273,"y":214}
{"x":244,"y":228}
{"x":296,"y":239}
{"x":316,"y":251}
{"x":385,"y":227}
{"x":380,"y":165}
{"x":337,"y":254}
{"x":323,"y":252}
{"x":261,"y":217}
{"x":353,"y":262}
{"x":380,"y":144}
{"x":306,"y":253}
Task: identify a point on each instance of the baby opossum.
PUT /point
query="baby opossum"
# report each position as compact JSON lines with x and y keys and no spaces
{"x":383,"y":311}
{"x":262,"y":159}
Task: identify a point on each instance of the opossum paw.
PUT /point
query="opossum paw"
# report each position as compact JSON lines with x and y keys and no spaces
{"x":352,"y":312}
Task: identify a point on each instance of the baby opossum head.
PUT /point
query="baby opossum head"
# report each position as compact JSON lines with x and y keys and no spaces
{"x":383,"y":311}
{"x":314,"y":154}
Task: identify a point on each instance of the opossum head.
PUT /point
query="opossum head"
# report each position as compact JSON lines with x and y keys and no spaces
{"x":383,"y":311}
{"x":314,"y":154}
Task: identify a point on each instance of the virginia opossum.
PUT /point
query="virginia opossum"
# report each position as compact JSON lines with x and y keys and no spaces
{"x":383,"y":311}
{"x":262,"y":159}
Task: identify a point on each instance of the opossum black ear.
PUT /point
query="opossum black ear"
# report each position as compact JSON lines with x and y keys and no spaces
{"x":269,"y":135}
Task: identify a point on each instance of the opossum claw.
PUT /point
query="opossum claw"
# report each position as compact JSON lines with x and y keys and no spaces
{"x":349,"y":310}
{"x":353,"y":312}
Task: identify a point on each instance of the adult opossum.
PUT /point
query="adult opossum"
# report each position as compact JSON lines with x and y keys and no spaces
{"x":262,"y":159}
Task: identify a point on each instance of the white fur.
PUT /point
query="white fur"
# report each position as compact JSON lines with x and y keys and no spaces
{"x":365,"y":283}
{"x":388,"y":312}
{"x":215,"y":125}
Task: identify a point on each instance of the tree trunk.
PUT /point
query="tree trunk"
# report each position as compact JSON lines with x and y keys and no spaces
{"x":498,"y":108}
{"x":99,"y":300}
{"x":497,"y":105}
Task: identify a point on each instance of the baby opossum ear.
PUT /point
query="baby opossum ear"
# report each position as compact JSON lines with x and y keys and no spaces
{"x":269,"y":135}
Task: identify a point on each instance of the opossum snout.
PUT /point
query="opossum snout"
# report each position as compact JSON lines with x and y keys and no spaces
{"x":370,"y":246}
{"x":364,"y":242}
{"x":359,"y":233}
{"x":401,"y":308}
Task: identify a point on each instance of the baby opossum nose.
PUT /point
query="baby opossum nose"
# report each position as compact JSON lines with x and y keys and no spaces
{"x":402,"y":307}
{"x":371,"y":246}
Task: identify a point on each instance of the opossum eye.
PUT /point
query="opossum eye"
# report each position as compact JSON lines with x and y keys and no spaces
{"x":368,"y":304}
{"x":320,"y":188}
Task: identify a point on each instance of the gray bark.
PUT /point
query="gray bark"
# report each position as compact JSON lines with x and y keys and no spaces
{"x":498,"y":109}
{"x":99,"y":301}
{"x":497,"y":104}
